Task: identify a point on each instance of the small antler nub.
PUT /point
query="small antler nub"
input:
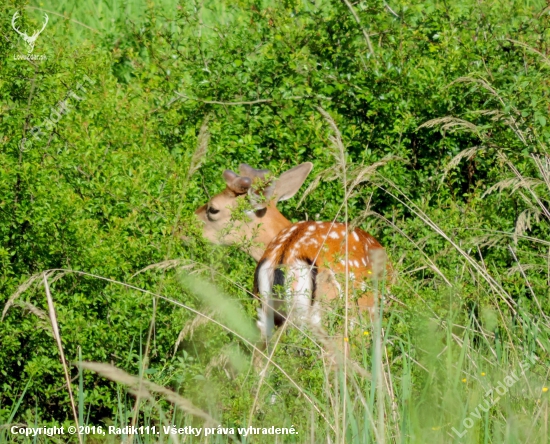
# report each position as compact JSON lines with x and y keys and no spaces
{"x":236,"y":183}
{"x":253,"y":173}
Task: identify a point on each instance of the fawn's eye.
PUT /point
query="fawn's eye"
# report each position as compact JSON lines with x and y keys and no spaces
{"x":210,"y":212}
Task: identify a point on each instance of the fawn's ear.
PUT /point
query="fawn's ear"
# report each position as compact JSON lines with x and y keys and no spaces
{"x":288,"y":183}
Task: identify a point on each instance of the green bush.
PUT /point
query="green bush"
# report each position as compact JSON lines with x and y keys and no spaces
{"x":452,"y":99}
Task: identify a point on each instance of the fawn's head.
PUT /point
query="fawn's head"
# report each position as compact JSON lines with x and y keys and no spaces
{"x":245,"y":212}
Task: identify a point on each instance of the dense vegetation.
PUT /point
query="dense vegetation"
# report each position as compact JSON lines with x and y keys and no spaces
{"x":110,"y":144}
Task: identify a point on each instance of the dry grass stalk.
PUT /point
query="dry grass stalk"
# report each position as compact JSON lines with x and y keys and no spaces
{"x":545,"y":59}
{"x":485,"y":112}
{"x":523,"y":223}
{"x":144,"y":388}
{"x":362,"y":216}
{"x":33,"y":309}
{"x":393,"y":404}
{"x":57,"y":336}
{"x":466,"y":154}
{"x":166,"y":265}
{"x":54,"y":276}
{"x":493,"y":283}
{"x":378,"y":261}
{"x":218,"y":362}
{"x":530,"y":184}
{"x":521,"y":268}
{"x":20,"y":290}
{"x":336,"y":139}
{"x":362,"y":174}
{"x":527,"y":183}
{"x":355,"y":176}
{"x":491,"y":239}
{"x":453,"y":124}
{"x":339,"y":153}
{"x":514,"y":184}
{"x":431,"y":263}
{"x":543,"y":164}
{"x":43,"y":319}
{"x":486,"y":85}
{"x":366,"y":410}
{"x":510,"y":121}
{"x":528,"y":284}
{"x":190,"y":328}
{"x":202,"y":147}
{"x":144,"y":365}
{"x":326,"y":175}
{"x":363,"y":30}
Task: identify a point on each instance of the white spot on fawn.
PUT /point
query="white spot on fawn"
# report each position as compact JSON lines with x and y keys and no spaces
{"x":355,"y":237}
{"x":333,"y":235}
